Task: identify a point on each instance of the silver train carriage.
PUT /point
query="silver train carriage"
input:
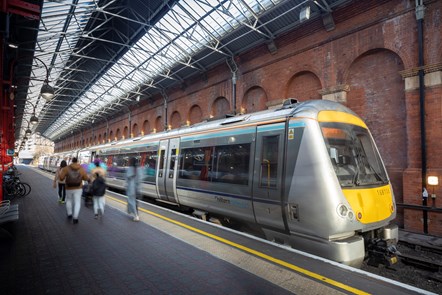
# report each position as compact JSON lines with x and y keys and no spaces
{"x":307,"y":175}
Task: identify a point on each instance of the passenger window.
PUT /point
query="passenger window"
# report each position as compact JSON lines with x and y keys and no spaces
{"x":172,"y":162}
{"x":161,"y":167}
{"x":269,"y":161}
{"x":232,"y":164}
{"x":150,"y":164}
{"x":227,"y":164}
{"x":196,"y":163}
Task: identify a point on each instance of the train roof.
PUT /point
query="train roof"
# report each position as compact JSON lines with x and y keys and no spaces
{"x":290,"y":108}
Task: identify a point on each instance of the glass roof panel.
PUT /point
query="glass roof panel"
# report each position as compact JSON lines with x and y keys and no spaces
{"x":186,"y":29}
{"x":54,"y":45}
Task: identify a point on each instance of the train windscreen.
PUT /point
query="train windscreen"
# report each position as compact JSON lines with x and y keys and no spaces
{"x":353,"y":154}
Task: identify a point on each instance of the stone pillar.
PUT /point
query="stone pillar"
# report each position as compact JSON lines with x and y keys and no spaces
{"x":336,"y":93}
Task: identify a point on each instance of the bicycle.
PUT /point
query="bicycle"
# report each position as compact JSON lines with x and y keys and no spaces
{"x":13,"y":187}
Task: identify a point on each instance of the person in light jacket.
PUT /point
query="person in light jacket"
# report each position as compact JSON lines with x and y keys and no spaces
{"x":132,"y":188}
{"x":61,"y":183}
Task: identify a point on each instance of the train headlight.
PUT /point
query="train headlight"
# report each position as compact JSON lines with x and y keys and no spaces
{"x":342,"y":210}
{"x":345,"y":212}
{"x":351,"y":215}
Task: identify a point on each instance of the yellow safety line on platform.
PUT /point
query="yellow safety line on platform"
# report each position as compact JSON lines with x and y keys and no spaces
{"x":254,"y":252}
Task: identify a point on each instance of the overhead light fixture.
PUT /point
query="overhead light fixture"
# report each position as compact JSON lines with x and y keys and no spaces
{"x":138,"y":98}
{"x":271,"y":46}
{"x":12,"y":45}
{"x":28,"y":132}
{"x":33,"y":120}
{"x":47,"y":92}
{"x":304,"y":14}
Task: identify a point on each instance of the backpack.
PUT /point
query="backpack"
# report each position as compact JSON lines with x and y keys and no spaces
{"x":98,"y":186}
{"x":73,"y":178}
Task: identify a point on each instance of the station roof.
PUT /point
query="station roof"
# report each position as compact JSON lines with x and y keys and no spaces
{"x":102,"y":56}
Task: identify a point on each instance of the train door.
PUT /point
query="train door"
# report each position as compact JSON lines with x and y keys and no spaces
{"x":268,"y":168}
{"x":167,"y":169}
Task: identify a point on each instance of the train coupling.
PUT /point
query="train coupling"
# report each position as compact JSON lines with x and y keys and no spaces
{"x":381,"y":252}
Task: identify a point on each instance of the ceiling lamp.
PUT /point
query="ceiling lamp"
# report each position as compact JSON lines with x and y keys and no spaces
{"x":304,"y":14}
{"x":28,"y":132}
{"x":33,"y":120}
{"x":47,"y":92}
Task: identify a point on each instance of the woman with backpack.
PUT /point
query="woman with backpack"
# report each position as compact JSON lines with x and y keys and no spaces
{"x":61,"y":183}
{"x":98,"y":188}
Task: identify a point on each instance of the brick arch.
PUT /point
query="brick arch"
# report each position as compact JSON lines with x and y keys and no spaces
{"x":118,"y":134}
{"x":135,"y":131}
{"x":175,"y":120}
{"x":125,"y":132}
{"x":195,"y":114}
{"x":111,"y":135}
{"x":146,"y":127}
{"x":377,"y":95}
{"x":220,"y":107}
{"x":159,"y":125}
{"x":254,"y":100}
{"x":304,"y":86}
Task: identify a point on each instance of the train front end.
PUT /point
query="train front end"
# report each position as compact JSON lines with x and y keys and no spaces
{"x":369,"y":200}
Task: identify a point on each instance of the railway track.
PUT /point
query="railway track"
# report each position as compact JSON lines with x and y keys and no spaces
{"x":421,"y":247}
{"x":422,"y":263}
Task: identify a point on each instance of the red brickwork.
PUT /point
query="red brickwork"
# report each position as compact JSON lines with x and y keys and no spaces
{"x":373,"y":46}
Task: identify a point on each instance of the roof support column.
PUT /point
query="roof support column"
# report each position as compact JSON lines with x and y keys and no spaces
{"x":164,"y":94}
{"x":420,"y":11}
{"x":234,"y":70}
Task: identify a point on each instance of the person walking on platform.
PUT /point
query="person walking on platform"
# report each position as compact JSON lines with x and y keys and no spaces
{"x":98,"y":188}
{"x":74,"y":175}
{"x":61,"y":183}
{"x":132,"y":188}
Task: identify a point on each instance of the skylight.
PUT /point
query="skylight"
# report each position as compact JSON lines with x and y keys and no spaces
{"x":52,"y":25}
{"x":186,"y":29}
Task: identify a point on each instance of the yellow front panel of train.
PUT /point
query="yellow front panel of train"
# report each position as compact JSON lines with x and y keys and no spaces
{"x":371,"y":204}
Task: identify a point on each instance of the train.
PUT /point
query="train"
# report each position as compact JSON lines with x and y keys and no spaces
{"x":306,"y":174}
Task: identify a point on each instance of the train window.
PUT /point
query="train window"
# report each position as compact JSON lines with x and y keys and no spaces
{"x":116,"y":167}
{"x":196,"y":163}
{"x":232,"y":164}
{"x":150,"y":164}
{"x":162,"y":159}
{"x":172,"y":162}
{"x":353,"y":155}
{"x":225,"y":164}
{"x":269,"y":161}
{"x":117,"y":164}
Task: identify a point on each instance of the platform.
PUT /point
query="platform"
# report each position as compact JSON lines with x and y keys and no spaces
{"x":165,"y":253}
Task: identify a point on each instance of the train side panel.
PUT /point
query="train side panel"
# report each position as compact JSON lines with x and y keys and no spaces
{"x":215,"y":173}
